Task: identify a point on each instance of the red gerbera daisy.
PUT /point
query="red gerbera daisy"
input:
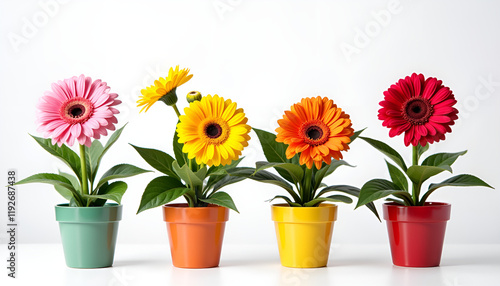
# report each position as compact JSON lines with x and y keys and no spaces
{"x":421,"y":108}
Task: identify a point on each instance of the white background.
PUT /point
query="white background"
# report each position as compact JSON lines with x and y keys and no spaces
{"x":265,"y":56}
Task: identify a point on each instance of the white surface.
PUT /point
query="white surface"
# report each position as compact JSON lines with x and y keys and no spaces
{"x":265,"y":55}
{"x":461,"y":265}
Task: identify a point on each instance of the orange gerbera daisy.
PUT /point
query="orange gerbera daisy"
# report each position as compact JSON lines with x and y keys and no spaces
{"x":317,"y":129}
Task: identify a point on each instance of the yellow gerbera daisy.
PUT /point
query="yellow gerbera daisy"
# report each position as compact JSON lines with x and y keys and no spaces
{"x":213,"y":131}
{"x":164,"y":88}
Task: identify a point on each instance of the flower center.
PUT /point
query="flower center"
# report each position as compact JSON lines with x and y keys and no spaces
{"x":213,"y":130}
{"x":314,"y":132}
{"x":76,"y":110}
{"x":417,"y":110}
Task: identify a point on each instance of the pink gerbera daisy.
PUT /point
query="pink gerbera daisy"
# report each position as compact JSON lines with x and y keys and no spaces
{"x":421,"y":108}
{"x":77,"y":109}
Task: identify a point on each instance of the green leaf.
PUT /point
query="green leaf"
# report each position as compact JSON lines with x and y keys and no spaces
{"x":464,"y":180}
{"x":442,"y":160}
{"x":98,"y":153}
{"x":92,"y":155}
{"x":120,"y":171}
{"x":66,"y":193}
{"x":419,"y":174}
{"x":68,"y":156}
{"x":287,"y":200}
{"x":113,"y":191}
{"x":353,"y":191}
{"x":218,"y":173}
{"x":332,"y":198}
{"x":48,"y":178}
{"x":227,"y":180}
{"x":275,"y":152}
{"x":339,"y":188}
{"x":264,"y":177}
{"x":188,"y":176}
{"x":393,"y":200}
{"x":397,"y":177}
{"x":157,"y":159}
{"x":202,"y":173}
{"x":55,"y":180}
{"x":379,"y":188}
{"x":421,"y":150}
{"x":356,"y":135}
{"x":74,"y":180}
{"x":180,"y":156}
{"x":388,"y":151}
{"x":295,"y":172}
{"x":221,"y":169}
{"x":160,"y":191}
{"x":326,"y":170}
{"x":221,"y":199}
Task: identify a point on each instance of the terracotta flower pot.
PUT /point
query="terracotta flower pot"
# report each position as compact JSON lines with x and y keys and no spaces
{"x":304,"y":234}
{"x":416,"y":233}
{"x":195,"y":234}
{"x":89,"y":234}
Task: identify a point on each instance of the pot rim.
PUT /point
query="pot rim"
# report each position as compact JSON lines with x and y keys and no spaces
{"x":432,"y":212}
{"x":110,"y":212}
{"x":106,"y":205}
{"x":324,"y":213}
{"x":182,"y":213}
{"x":427,"y":205}
{"x":322,"y":205}
{"x":186,"y":206}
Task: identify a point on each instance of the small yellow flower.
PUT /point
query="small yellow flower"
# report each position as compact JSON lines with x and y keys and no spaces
{"x":164,"y":88}
{"x":213,"y":131}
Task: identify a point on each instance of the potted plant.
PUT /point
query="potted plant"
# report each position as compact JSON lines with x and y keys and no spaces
{"x":306,"y":149}
{"x":79,"y":109}
{"x":208,"y":141}
{"x":423,"y":110}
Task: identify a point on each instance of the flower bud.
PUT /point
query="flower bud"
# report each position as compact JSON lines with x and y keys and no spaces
{"x":193,"y":96}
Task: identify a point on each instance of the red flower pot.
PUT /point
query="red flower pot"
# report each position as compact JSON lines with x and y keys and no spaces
{"x":416,"y":233}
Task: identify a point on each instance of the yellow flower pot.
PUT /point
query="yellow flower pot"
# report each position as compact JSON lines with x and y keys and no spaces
{"x":304,"y":234}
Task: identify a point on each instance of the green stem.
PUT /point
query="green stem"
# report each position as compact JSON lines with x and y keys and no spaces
{"x":83,"y":164}
{"x":176,"y":110}
{"x":306,"y":192}
{"x":415,"y":187}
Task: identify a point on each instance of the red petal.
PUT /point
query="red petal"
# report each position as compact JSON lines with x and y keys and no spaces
{"x":439,"y":119}
{"x":430,"y":87}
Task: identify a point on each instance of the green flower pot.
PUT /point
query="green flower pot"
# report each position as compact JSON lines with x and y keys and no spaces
{"x":89,"y":234}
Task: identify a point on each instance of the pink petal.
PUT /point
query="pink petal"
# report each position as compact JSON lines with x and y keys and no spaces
{"x":80,"y":86}
{"x":76,"y":130}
